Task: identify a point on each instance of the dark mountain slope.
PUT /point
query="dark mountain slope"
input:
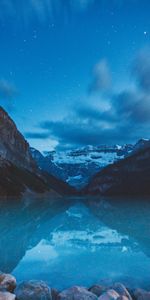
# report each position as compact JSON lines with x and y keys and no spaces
{"x":14,"y":181}
{"x":18,"y":170}
{"x":130,"y":176}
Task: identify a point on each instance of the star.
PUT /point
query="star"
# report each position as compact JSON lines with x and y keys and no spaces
{"x":51,"y":26}
{"x":34,"y":36}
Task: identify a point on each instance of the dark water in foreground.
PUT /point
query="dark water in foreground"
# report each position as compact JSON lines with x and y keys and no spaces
{"x":77,"y":242}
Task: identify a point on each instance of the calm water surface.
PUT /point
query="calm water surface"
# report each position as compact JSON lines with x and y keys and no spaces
{"x":77,"y":241}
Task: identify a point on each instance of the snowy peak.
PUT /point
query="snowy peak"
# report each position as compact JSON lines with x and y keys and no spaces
{"x":102,"y":155}
{"x":77,"y":166}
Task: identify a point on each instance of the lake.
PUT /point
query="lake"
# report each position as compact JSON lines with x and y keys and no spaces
{"x":77,"y":241}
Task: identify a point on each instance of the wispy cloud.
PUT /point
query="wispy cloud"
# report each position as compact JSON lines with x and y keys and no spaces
{"x":101,"y":80}
{"x":8,"y":93}
{"x":81,"y":4}
{"x":7,"y":90}
{"x":141,"y":69}
{"x":40,"y":9}
{"x":26,"y":10}
{"x":37,"y":135}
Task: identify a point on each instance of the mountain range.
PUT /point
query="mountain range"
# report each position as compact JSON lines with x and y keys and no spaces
{"x":77,"y":166}
{"x":91,"y":170}
{"x":102,"y":170}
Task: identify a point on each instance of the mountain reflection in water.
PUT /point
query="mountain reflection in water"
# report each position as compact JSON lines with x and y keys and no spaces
{"x":77,"y":241}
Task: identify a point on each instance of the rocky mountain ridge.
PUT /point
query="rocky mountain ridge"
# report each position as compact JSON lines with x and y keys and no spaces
{"x":13,"y":146}
{"x":19,"y":171}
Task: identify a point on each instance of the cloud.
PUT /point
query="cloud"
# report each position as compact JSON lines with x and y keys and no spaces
{"x":7,"y":90}
{"x":90,"y":113}
{"x":101,"y":77}
{"x":74,"y":134}
{"x":41,"y":9}
{"x":125,"y":118}
{"x":123,"y":122}
{"x":141,"y":70}
{"x":79,"y":134}
{"x":133,"y":107}
{"x":37,"y":135}
{"x":81,"y":4}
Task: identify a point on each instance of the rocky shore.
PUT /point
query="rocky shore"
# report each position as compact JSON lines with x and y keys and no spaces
{"x":39,"y":290}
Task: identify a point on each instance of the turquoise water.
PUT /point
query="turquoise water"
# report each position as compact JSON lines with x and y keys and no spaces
{"x":77,"y":241}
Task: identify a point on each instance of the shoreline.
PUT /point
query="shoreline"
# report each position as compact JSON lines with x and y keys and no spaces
{"x":39,"y":290}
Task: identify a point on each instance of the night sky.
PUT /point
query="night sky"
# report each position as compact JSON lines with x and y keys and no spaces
{"x":76,"y":72}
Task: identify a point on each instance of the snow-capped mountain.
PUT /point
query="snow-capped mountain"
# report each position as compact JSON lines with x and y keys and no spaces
{"x":76,"y":167}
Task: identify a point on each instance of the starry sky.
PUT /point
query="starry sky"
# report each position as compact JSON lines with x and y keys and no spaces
{"x":76,"y":72}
